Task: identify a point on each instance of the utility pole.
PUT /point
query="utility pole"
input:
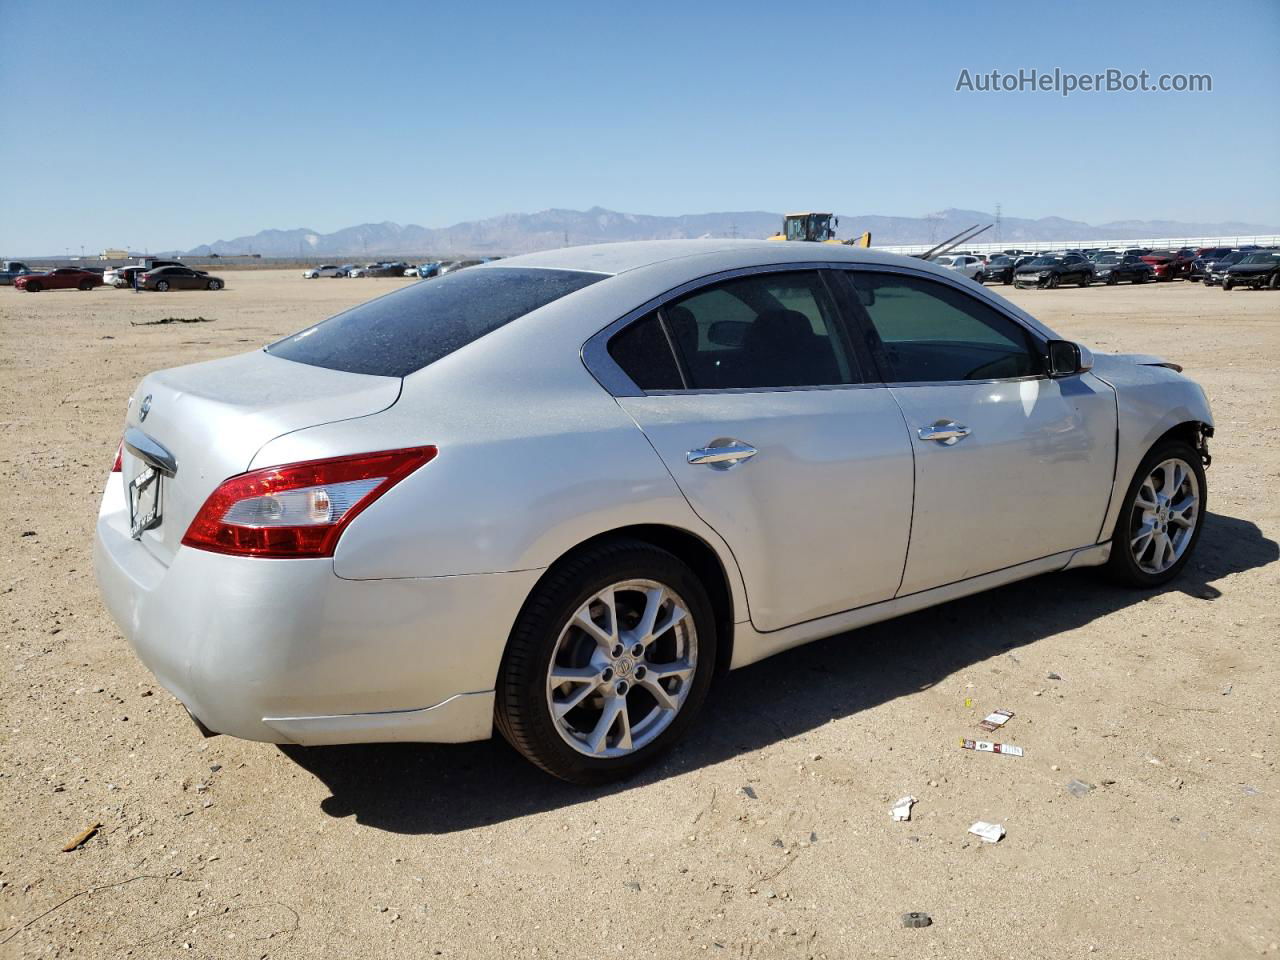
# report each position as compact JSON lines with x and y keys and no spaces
{"x":997,"y":222}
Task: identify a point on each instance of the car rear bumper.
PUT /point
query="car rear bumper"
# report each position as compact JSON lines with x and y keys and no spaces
{"x":285,"y":651}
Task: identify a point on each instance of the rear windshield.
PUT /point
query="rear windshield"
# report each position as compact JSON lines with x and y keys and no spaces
{"x":404,"y":331}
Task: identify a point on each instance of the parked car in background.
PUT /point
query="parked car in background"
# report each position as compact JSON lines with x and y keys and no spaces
{"x":359,"y":270}
{"x":1257,"y":270}
{"x":150,"y":263}
{"x":411,"y":270}
{"x":328,"y":270}
{"x":1215,"y":271}
{"x":387,"y":269}
{"x":63,"y":278}
{"x":1054,"y":269}
{"x":1112,"y":268}
{"x":428,"y":270}
{"x":1203,"y":264}
{"x":965,"y":264}
{"x":998,"y":269}
{"x":164,"y":279}
{"x":1164,"y":264}
{"x":122,"y":276}
{"x":1138,"y":251}
{"x":455,"y":265}
{"x":12,"y":269}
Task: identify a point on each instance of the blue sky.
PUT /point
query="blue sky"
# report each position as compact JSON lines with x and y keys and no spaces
{"x":169,"y":125}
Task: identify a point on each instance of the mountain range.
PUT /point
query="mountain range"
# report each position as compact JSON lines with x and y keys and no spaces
{"x":514,"y":233}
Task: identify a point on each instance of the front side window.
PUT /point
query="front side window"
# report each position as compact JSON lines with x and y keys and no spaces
{"x":405,"y":331}
{"x":931,"y":332}
{"x":761,"y":331}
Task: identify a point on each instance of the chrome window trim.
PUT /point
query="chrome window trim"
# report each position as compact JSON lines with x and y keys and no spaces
{"x":595,"y":352}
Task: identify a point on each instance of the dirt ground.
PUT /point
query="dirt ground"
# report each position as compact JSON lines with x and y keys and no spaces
{"x":768,"y":835}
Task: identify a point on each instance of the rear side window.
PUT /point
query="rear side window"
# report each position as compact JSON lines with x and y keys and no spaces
{"x":405,"y":331}
{"x":644,"y":354}
{"x":760,"y":331}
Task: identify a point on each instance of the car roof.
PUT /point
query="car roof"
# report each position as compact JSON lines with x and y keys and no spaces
{"x":618,"y":258}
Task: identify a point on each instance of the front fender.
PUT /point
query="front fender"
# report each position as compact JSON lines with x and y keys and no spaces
{"x":1151,"y":400}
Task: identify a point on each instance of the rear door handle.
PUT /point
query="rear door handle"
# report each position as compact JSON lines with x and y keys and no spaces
{"x":724,"y":453}
{"x":946,"y":432}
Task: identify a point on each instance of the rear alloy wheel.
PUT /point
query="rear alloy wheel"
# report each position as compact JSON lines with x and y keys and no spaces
{"x":607,"y":665}
{"x":33,"y":288}
{"x":1052,"y":282}
{"x":1085,"y":280}
{"x":163,"y":286}
{"x":215,"y":284}
{"x":1112,"y":280}
{"x":1160,"y":520}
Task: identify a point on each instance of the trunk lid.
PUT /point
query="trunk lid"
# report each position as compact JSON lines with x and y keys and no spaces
{"x":214,"y":417}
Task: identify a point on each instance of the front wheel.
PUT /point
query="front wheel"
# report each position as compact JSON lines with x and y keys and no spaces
{"x":33,"y":288}
{"x":608,"y":663}
{"x":1227,"y":284}
{"x":1161,"y":516}
{"x":1052,"y":282}
{"x":215,"y":284}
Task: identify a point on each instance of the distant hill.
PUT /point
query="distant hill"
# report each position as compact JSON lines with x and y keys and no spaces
{"x":514,"y":233}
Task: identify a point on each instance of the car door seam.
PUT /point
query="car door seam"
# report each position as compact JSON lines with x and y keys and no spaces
{"x":746,"y":597}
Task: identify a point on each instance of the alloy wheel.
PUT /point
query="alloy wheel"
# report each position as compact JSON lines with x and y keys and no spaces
{"x":1166,"y":511}
{"x":622,"y":668}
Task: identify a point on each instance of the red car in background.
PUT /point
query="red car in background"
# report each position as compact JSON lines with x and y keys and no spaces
{"x":1171,"y":264}
{"x":63,"y":278}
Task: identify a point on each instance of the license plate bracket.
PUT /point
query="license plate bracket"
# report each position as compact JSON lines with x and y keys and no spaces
{"x":144,"y":502}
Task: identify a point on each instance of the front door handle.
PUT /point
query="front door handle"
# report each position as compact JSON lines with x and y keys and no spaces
{"x":945,"y":432}
{"x":724,"y":453}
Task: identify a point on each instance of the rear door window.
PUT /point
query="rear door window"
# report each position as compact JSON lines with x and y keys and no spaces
{"x":760,"y":331}
{"x":405,"y":331}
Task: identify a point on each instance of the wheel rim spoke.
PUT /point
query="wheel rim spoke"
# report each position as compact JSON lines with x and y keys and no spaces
{"x":1165,"y":516}
{"x":611,"y":689}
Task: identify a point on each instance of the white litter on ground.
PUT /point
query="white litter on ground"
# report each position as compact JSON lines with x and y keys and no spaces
{"x":990,"y":832}
{"x":902,"y":809}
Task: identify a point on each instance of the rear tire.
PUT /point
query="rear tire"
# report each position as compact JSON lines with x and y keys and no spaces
{"x":163,"y":286}
{"x":1052,"y":282}
{"x":609,"y":666}
{"x":215,"y":284}
{"x":1227,"y":284}
{"x":33,"y":288}
{"x":1166,"y":498}
{"x":86,"y":285}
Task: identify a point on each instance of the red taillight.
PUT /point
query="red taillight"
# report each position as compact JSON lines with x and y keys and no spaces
{"x":119,"y":464}
{"x":299,"y":509}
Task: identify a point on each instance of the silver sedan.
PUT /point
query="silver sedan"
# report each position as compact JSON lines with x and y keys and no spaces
{"x":556,"y":494}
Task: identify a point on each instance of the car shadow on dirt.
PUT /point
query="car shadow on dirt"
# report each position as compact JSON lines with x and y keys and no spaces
{"x":438,"y":788}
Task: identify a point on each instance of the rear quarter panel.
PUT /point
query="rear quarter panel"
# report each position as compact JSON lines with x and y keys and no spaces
{"x":534,"y":458}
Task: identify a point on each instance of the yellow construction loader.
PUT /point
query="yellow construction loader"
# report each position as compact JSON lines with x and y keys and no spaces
{"x":816,"y":228}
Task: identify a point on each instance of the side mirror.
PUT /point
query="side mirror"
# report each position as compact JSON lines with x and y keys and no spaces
{"x":1066,"y":358}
